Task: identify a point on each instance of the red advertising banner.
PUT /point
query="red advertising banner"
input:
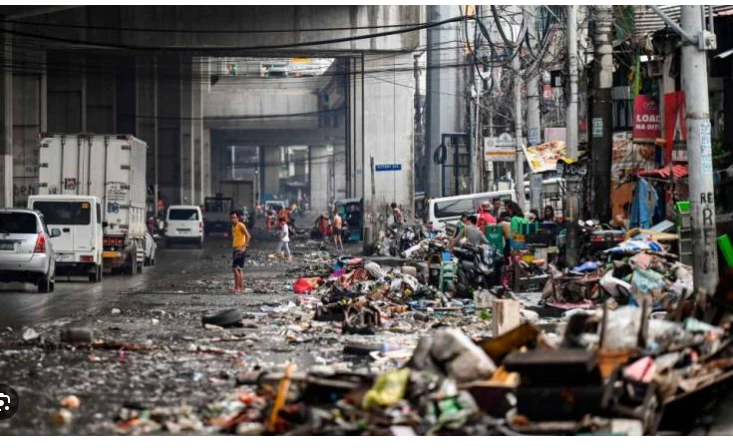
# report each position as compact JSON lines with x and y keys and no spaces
{"x":674,"y":122}
{"x":646,"y":118}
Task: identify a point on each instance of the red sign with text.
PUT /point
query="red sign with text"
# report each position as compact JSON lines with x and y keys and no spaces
{"x":675,"y":128}
{"x":646,"y":118}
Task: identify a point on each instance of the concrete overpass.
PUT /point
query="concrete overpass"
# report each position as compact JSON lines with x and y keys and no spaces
{"x":144,"y":70}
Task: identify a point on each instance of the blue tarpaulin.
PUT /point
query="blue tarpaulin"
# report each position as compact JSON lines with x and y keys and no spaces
{"x":643,"y":205}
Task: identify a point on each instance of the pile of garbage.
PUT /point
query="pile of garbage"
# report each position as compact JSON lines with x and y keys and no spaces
{"x":636,"y":270}
{"x":359,"y":293}
{"x":610,"y":372}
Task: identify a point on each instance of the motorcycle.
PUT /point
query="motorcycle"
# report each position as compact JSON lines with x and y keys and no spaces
{"x":475,"y":268}
{"x":596,"y":238}
{"x":405,"y":238}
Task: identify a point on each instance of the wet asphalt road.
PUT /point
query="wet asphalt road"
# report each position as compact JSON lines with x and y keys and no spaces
{"x":184,"y":364}
{"x":22,"y":306}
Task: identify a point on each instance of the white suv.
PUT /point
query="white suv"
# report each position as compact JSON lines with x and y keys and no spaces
{"x":26,"y":253}
{"x":184,"y":224}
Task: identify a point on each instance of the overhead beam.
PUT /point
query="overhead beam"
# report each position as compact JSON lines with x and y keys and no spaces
{"x":39,"y":12}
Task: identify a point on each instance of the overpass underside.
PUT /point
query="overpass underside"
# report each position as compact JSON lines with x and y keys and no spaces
{"x":123,"y":69}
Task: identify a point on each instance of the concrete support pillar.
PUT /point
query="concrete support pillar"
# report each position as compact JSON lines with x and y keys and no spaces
{"x":146,"y":123}
{"x":6,"y":118}
{"x":29,"y":122}
{"x":207,"y":164}
{"x":444,"y":97}
{"x":355,"y":170}
{"x":271,"y":172}
{"x":388,"y":138}
{"x":169,"y":128}
{"x":101,"y":95}
{"x":339,"y":171}
{"x":198,"y":81}
{"x":188,"y":195}
{"x":320,"y":177}
{"x":300,"y":160}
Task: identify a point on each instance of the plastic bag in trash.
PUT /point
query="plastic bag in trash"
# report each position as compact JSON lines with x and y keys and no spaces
{"x":388,"y":389}
{"x":590,"y":266}
{"x":615,"y":287}
{"x":375,"y":270}
{"x":632,"y":247}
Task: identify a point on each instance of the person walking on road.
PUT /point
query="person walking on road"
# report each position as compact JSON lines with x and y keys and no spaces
{"x":338,"y":228}
{"x":240,"y":240}
{"x":284,"y":240}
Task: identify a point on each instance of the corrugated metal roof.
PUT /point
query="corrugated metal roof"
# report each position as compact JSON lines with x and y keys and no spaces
{"x":647,"y":21}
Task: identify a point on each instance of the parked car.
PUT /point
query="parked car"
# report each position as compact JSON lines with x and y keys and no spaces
{"x":26,"y":252}
{"x":184,"y":224}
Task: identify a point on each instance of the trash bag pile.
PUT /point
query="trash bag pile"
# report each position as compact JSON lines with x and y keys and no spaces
{"x":634,"y":271}
{"x":358,"y":293}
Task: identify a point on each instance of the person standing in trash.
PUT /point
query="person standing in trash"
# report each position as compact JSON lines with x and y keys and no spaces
{"x":397,"y":215}
{"x":512,"y":227}
{"x":484,"y":217}
{"x":240,"y":240}
{"x":338,"y":231}
{"x":471,"y":233}
{"x":284,"y":233}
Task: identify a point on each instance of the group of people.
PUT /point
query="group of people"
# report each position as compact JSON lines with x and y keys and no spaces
{"x":508,"y":216}
{"x":334,"y":228}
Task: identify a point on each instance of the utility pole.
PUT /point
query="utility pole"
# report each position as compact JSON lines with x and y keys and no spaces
{"x":601,"y":137}
{"x":573,"y":197}
{"x":533,"y":111}
{"x":419,"y":136}
{"x":699,"y":146}
{"x":519,"y":163}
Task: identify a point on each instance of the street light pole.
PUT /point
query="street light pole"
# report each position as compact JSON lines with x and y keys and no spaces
{"x":699,"y":148}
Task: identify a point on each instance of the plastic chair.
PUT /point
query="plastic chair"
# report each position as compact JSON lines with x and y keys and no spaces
{"x":448,"y":273}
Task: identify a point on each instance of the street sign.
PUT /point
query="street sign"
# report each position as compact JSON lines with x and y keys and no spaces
{"x":388,"y":167}
{"x":500,"y":149}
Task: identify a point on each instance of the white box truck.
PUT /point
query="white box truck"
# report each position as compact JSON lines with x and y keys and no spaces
{"x":112,"y":169}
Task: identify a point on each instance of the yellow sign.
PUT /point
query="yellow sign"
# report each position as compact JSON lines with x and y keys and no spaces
{"x":300,"y":60}
{"x":84,"y":205}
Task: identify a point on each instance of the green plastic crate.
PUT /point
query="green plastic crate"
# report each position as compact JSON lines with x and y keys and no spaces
{"x":682,"y":210}
{"x":727,"y":248}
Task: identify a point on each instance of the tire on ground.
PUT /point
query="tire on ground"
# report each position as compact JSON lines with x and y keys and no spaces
{"x":226,"y":318}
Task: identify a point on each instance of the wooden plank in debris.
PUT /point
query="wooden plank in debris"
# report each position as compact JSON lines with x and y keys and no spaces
{"x":505,"y":316}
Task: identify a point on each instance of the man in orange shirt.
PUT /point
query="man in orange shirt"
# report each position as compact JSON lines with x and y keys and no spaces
{"x":240,"y":241}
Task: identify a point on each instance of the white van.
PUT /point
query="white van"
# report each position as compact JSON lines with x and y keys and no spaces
{"x":79,"y":248}
{"x":448,"y":210}
{"x":184,"y":224}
